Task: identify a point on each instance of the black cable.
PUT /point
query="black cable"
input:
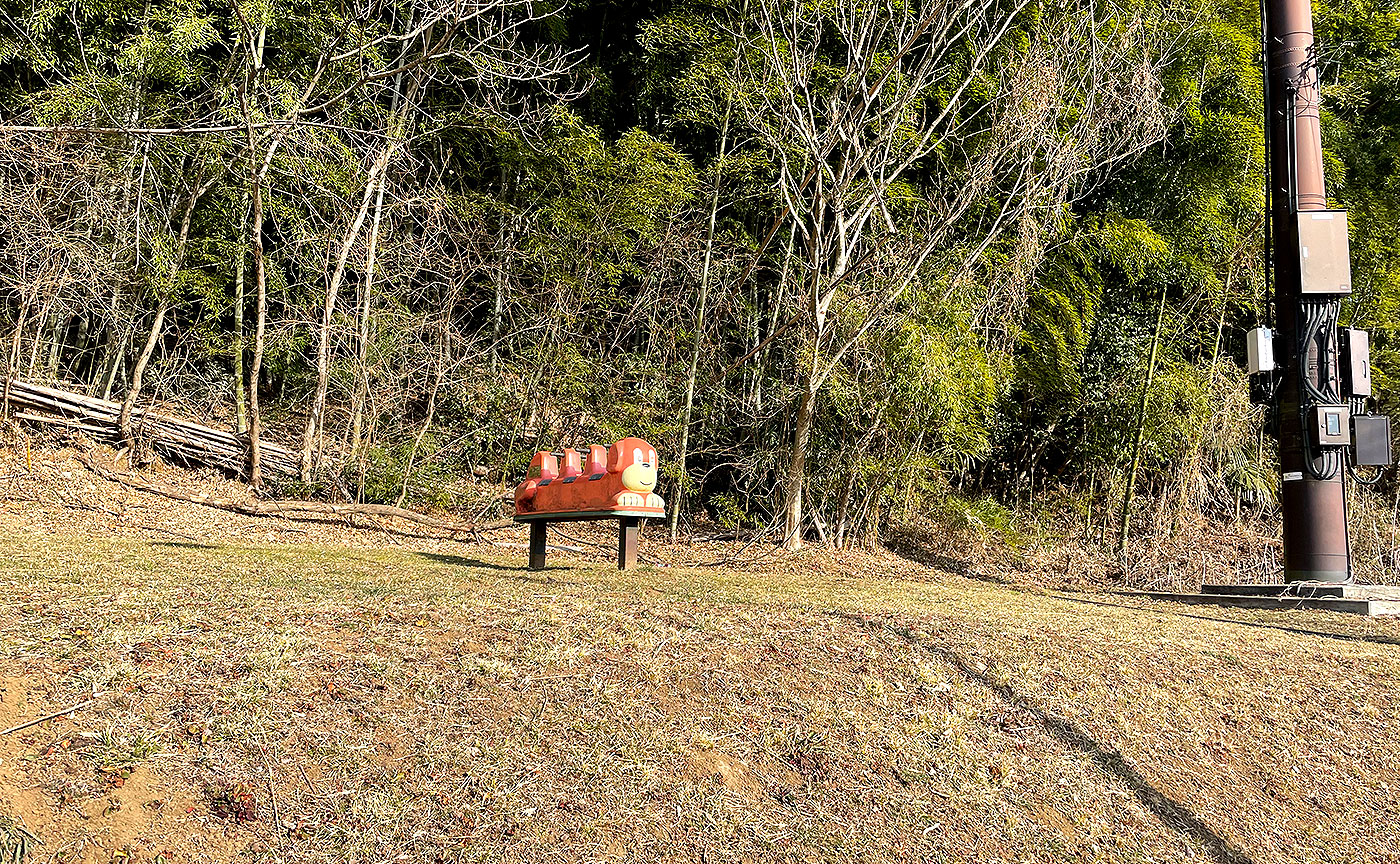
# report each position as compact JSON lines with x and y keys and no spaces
{"x":1319,"y":330}
{"x":1352,"y":466}
{"x":1355,"y":475}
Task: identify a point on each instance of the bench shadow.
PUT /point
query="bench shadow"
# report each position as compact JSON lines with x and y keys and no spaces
{"x":460,"y":561}
{"x":1171,"y":812}
{"x":520,"y":574}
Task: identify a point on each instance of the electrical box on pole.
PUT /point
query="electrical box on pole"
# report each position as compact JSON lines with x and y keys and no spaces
{"x":1324,"y":252}
{"x":1260,"y":348}
{"x":1331,"y":425}
{"x":1356,"y":361}
{"x":1371,"y":433}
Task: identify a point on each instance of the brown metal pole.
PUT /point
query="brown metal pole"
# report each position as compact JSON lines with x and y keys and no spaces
{"x":1314,"y":513}
{"x":539,"y":533}
{"x":627,"y":536}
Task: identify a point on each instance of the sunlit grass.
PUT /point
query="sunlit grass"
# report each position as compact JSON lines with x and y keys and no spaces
{"x":463,"y":708}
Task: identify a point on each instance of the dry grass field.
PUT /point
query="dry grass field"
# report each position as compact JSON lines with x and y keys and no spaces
{"x":253,"y":696}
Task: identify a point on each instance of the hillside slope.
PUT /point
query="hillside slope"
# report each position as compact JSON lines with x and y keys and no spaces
{"x":298,"y":701}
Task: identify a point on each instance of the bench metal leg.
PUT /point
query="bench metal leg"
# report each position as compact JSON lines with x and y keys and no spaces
{"x":539,"y":532}
{"x":627,"y":533}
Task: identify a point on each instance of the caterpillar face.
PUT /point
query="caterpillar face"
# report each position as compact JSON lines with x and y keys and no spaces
{"x":639,"y":475}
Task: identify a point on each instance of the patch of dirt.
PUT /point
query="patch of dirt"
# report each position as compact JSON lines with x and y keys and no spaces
{"x":1051,"y":817}
{"x":14,"y":701}
{"x":81,"y":814}
{"x":715,"y":767}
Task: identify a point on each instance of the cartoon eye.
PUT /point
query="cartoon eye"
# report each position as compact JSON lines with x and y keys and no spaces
{"x":637,"y":454}
{"x":652,"y":455}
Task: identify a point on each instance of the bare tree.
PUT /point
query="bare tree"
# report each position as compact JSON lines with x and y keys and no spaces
{"x":859,"y":103}
{"x":478,"y":43}
{"x":177,"y":257}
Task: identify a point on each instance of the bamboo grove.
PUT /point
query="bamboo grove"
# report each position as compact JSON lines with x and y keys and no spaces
{"x":843,"y":262}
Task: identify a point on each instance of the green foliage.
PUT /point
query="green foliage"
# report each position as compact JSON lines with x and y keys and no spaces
{"x":983,"y":518}
{"x":539,"y":259}
{"x":607,"y":207}
{"x":1360,"y":56}
{"x":431,"y":479}
{"x":941,"y":380}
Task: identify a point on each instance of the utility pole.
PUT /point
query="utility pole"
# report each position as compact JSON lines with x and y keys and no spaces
{"x":1315,"y":378}
{"x":1311,"y":274}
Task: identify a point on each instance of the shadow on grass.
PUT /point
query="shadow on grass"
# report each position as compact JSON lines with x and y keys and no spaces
{"x":915,"y":547}
{"x":989,"y":578}
{"x":459,"y":561}
{"x":1345,"y":637}
{"x":175,"y":545}
{"x":518,"y":573}
{"x":1171,"y":812}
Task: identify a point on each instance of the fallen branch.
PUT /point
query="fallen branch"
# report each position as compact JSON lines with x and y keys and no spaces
{"x":290,"y":509}
{"x":54,"y":716}
{"x":182,"y":440}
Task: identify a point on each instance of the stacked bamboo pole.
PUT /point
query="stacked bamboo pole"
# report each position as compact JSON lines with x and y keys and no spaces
{"x":178,"y":440}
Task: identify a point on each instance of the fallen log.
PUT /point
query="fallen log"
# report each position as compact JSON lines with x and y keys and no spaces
{"x":180,"y":440}
{"x":293,"y":509}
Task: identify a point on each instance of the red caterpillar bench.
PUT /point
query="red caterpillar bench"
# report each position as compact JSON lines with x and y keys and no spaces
{"x":580,"y":486}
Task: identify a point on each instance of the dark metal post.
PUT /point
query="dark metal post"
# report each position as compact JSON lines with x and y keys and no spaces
{"x":1314,"y":512}
{"x":539,"y":533}
{"x":627,"y":534}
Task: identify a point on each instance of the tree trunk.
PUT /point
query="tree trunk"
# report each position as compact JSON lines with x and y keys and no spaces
{"x":116,"y":350}
{"x":1141,"y":422}
{"x":309,"y":454}
{"x":240,"y":273}
{"x":843,"y":509}
{"x":56,"y":336}
{"x":362,"y":330}
{"x":255,"y":232}
{"x":82,"y":359}
{"x":796,"y":473}
{"x":40,"y":324}
{"x":702,"y":306}
{"x":259,"y":336}
{"x":1089,"y":505}
{"x":124,"y":421}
